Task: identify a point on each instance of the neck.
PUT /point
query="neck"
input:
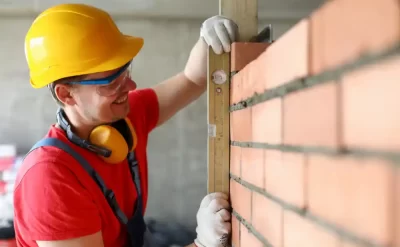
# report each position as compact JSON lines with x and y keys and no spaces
{"x":78,"y":125}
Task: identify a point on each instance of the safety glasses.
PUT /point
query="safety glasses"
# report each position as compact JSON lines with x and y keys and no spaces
{"x":110,"y":85}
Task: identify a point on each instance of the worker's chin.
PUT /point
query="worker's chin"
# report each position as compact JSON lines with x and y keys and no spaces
{"x":119,"y":110}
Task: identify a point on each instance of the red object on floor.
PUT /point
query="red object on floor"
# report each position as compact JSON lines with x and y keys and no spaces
{"x":6,"y":163}
{"x":3,"y":185}
{"x":8,"y":243}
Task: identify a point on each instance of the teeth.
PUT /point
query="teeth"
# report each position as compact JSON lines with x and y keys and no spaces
{"x":122,"y":99}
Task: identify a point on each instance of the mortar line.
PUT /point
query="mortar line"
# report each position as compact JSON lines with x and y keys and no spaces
{"x":347,"y":235}
{"x":328,"y":76}
{"x":392,"y":157}
{"x":250,"y":228}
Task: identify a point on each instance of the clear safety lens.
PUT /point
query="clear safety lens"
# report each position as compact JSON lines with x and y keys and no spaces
{"x":117,"y":84}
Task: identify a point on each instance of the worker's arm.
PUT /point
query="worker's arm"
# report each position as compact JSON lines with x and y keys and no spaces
{"x":86,"y":241}
{"x":185,"y":87}
{"x":176,"y":93}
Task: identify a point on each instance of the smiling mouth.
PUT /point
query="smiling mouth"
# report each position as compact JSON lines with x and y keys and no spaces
{"x":122,"y":99}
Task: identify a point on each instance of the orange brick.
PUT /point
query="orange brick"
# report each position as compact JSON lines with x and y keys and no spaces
{"x":243,"y":53}
{"x":309,"y":110}
{"x":235,"y":160}
{"x":350,"y":244}
{"x":235,"y":232}
{"x":241,"y":125}
{"x":243,"y":84}
{"x":248,"y":239}
{"x":248,"y":75}
{"x":267,"y":219}
{"x":355,"y":194}
{"x":301,"y":232}
{"x":255,"y":77}
{"x":371,"y":112}
{"x":284,"y":176}
{"x":287,"y":58}
{"x":397,"y":208}
{"x":249,"y":81}
{"x":340,"y":31}
{"x":240,"y":199}
{"x":236,"y":87}
{"x":267,"y":122}
{"x":252,"y":166}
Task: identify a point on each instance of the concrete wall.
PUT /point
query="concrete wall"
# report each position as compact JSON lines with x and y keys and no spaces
{"x":177,"y":150}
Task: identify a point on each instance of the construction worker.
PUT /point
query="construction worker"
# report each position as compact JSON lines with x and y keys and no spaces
{"x":85,"y":183}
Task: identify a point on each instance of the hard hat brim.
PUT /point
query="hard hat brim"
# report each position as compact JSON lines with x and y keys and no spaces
{"x":130,"y":47}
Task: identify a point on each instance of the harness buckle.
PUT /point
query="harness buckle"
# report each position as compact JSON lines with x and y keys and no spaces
{"x":112,"y":201}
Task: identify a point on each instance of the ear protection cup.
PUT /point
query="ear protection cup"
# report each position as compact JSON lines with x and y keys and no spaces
{"x":120,"y":138}
{"x":111,"y":142}
{"x":132,"y":133}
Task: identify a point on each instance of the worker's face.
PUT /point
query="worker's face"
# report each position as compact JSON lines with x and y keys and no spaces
{"x":103,"y":103}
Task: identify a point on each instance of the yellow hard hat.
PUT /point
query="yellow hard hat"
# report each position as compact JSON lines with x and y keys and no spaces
{"x":75,"y":39}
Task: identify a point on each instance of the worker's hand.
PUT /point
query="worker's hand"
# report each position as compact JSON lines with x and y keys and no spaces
{"x":213,"y":221}
{"x":219,"y":33}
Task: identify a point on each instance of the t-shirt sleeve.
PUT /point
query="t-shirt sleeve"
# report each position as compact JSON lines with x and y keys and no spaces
{"x":51,"y":204}
{"x":144,"y":105}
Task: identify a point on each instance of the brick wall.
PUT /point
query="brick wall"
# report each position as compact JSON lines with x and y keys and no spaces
{"x":315,"y":131}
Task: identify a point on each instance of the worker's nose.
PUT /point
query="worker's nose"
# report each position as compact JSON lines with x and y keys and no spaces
{"x":130,"y":85}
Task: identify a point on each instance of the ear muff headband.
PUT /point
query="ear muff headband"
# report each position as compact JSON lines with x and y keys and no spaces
{"x":110,"y":143}
{"x":66,"y":126}
{"x":133,"y":134}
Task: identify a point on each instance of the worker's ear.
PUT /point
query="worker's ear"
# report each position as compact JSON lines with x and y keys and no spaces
{"x":64,"y":94}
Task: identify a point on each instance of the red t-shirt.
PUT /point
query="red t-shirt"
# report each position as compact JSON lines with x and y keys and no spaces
{"x":56,"y":199}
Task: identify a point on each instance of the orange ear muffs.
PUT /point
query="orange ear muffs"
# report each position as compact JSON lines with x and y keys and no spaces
{"x":119,"y":137}
{"x":132,"y":133}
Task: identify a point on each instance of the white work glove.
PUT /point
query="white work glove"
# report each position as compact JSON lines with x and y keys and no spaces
{"x":213,"y":221}
{"x":219,"y":33}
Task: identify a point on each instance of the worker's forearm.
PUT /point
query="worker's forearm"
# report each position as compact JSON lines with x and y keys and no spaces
{"x":191,"y":245}
{"x":176,"y":93}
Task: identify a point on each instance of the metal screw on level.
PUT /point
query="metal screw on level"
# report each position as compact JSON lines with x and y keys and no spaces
{"x":219,"y":90}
